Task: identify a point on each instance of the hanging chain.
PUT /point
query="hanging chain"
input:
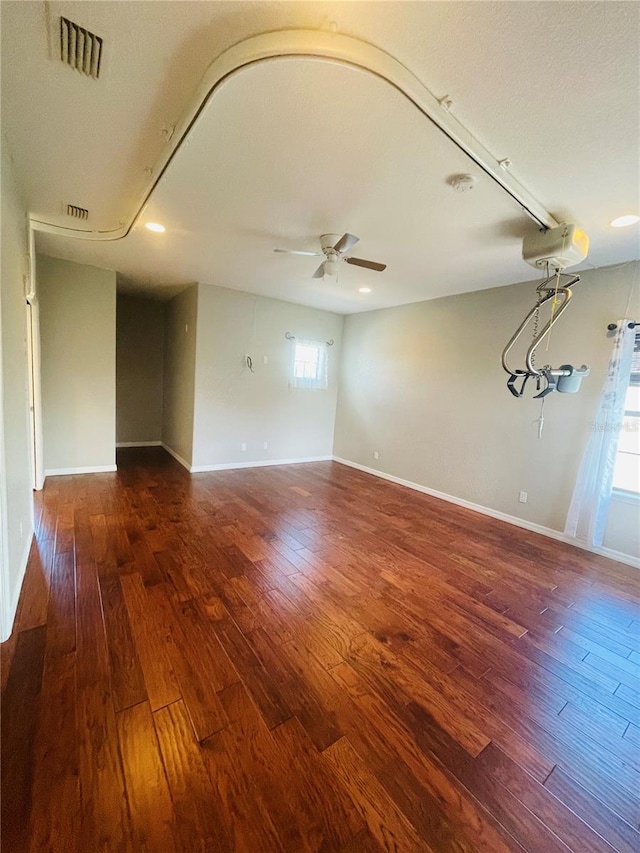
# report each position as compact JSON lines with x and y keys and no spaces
{"x":536,"y":324}
{"x":555,"y":300}
{"x":536,"y":318}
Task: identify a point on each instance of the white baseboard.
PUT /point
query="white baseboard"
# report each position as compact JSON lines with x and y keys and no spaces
{"x":627,"y":559}
{"x":176,"y":456}
{"x":263,"y":463}
{"x":138,"y":444}
{"x":230,"y":466}
{"x":91,"y":469}
{"x":11,"y":602}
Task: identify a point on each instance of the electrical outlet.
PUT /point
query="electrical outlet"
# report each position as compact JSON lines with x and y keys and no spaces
{"x":243,"y":446}
{"x":376,"y":455}
{"x":265,"y":359}
{"x":265,"y":445}
{"x":522,"y":497}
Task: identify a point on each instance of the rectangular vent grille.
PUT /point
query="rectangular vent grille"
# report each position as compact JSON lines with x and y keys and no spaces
{"x":80,"y":49}
{"x":77,"y":212}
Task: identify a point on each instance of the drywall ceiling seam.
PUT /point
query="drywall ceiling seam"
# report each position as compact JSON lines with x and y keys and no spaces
{"x":327,"y":47}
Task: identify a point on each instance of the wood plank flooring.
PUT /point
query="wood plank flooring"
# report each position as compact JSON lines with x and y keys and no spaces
{"x":307,"y":658}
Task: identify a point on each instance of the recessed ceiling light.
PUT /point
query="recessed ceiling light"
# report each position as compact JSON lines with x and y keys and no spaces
{"x":155,"y":226}
{"x":364,"y":290}
{"x":623,"y":221}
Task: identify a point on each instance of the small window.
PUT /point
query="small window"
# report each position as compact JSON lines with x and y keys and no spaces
{"x":309,"y":365}
{"x":626,"y":475}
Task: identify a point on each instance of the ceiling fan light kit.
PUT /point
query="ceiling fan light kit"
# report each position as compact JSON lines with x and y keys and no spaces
{"x":331,"y":265}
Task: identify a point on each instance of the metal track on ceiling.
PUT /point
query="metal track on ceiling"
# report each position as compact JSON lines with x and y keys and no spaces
{"x":327,"y":47}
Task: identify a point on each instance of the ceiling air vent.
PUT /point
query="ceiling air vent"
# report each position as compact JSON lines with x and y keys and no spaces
{"x":80,"y":49}
{"x":77,"y":212}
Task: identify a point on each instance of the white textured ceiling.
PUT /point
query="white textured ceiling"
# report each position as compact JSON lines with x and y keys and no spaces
{"x":290,"y":149}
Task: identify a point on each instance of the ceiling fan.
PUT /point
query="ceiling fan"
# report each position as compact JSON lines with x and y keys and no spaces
{"x":334,"y":248}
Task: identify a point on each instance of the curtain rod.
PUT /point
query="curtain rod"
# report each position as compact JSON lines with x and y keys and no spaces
{"x":291,"y":337}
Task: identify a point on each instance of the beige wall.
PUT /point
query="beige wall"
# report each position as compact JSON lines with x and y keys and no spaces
{"x":139,"y":368}
{"x":423,"y":386}
{"x":16,"y":500}
{"x":234,"y":405}
{"x":179,"y":373}
{"x":78,"y":337}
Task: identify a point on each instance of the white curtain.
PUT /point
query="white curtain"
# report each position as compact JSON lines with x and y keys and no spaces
{"x":587,"y":516}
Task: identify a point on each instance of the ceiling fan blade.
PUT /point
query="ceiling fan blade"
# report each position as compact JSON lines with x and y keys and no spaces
{"x":319,"y":273}
{"x":296,"y":252}
{"x":346,"y":242}
{"x":370,"y":265}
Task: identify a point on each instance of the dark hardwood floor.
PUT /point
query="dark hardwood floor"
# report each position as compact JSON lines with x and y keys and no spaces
{"x":307,"y":658}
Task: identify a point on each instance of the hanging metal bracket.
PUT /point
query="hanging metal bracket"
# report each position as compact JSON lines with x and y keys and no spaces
{"x":565,"y":378}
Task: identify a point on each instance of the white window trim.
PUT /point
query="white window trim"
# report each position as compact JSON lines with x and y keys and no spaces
{"x":624,"y":497}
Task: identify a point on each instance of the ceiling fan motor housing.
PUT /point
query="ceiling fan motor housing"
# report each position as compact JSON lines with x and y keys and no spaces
{"x":328,"y":241}
{"x":559,"y":247}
